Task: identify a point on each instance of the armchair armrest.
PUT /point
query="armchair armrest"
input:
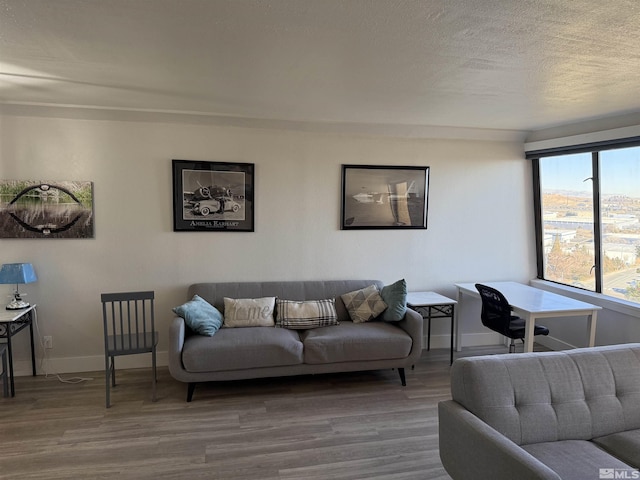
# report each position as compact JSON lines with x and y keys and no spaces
{"x":469,"y":448}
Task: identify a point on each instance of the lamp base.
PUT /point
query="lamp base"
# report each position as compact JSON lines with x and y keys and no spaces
{"x":17,"y":305}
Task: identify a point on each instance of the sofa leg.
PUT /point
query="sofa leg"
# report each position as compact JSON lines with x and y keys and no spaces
{"x":190,"y":389}
{"x":402,"y":378}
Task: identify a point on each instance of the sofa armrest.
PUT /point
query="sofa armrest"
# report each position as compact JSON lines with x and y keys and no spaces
{"x":413,"y":324}
{"x":177,"y":332}
{"x":469,"y":448}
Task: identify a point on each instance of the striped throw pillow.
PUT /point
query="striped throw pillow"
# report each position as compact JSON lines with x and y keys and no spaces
{"x":307,"y":314}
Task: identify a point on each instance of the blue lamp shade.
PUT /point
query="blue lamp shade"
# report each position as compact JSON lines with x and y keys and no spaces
{"x":17,"y":273}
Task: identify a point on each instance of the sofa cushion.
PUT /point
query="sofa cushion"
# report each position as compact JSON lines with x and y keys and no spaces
{"x":575,"y":459}
{"x":307,"y":314}
{"x":351,"y":342}
{"x":624,"y":445}
{"x":241,"y":348}
{"x":364,"y":304}
{"x":200,"y":316}
{"x":395,"y":296}
{"x":249,"y":312}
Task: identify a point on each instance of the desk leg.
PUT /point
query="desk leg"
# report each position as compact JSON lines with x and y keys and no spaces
{"x":456,"y":323}
{"x":591,"y":326}
{"x":453,"y":321}
{"x":429,"y":313}
{"x":33,"y":352}
{"x":10,"y":355}
{"x":529,"y":327}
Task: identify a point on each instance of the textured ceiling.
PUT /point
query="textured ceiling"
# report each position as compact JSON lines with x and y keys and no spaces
{"x":491,"y":64}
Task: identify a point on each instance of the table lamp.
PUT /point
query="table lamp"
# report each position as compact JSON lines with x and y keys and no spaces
{"x":17,"y":273}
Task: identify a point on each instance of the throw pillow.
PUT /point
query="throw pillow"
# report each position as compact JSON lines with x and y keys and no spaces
{"x":364,"y":304}
{"x":395,"y":296}
{"x":200,"y":316}
{"x":307,"y":314}
{"x":249,"y":312}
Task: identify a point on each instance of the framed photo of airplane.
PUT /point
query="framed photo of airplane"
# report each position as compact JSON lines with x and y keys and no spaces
{"x":384,"y":197}
{"x":212,"y":196}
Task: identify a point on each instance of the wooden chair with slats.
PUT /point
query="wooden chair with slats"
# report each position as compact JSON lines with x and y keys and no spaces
{"x":129,"y":329}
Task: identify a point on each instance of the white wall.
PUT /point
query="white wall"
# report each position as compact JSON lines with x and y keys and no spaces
{"x":480,"y":223}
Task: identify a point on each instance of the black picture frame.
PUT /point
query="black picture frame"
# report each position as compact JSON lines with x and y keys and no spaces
{"x":384,"y":197}
{"x":213,"y":196}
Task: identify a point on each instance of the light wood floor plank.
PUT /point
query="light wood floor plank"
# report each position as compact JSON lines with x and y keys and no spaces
{"x":361,"y":425}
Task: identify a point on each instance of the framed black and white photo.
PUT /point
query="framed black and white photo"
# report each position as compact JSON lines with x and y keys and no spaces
{"x":213,"y":196}
{"x":384,"y":197}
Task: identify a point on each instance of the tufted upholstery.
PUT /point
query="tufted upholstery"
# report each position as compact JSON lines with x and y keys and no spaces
{"x":544,"y":397}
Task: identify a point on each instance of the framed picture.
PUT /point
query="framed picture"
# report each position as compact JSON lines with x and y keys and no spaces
{"x":384,"y":197}
{"x":212,"y":196}
{"x":46,"y":209}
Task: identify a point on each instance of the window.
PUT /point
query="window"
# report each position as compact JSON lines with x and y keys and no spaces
{"x":588,"y":219}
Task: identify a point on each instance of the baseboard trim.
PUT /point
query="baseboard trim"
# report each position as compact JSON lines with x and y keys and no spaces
{"x":65,"y":365}
{"x":554,"y":343}
{"x":467,"y":340}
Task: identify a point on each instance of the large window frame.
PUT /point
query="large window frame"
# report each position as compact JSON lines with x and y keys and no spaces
{"x":595,"y":148}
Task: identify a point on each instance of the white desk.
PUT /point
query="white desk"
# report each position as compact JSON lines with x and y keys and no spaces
{"x":531,"y":304}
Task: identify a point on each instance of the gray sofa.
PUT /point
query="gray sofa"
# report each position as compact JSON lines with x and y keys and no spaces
{"x":258,"y":352}
{"x":548,"y":415}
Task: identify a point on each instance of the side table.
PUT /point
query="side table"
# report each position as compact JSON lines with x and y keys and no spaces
{"x":12,"y":322}
{"x":433,"y":305}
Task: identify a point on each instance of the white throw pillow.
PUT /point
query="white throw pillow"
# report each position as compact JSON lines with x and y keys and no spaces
{"x":249,"y":312}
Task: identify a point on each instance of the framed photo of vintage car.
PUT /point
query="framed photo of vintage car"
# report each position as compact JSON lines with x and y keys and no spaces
{"x":384,"y":197}
{"x":213,"y":196}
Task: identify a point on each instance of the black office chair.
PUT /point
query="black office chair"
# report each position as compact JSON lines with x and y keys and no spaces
{"x":129,"y":329}
{"x":496,"y":315}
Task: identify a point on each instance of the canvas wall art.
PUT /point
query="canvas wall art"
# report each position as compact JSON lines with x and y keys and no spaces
{"x":46,"y":209}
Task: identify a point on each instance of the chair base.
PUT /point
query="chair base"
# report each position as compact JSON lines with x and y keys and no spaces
{"x":110,"y":378}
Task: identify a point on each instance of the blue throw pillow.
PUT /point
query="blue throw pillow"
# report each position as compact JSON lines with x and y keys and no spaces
{"x":200,"y":316}
{"x":395,"y":296}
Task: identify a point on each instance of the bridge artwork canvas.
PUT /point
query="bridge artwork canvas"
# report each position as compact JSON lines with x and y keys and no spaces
{"x":44,"y":209}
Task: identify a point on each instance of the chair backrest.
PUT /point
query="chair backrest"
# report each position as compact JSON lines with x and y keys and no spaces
{"x":496,"y":311}
{"x":129,"y":323}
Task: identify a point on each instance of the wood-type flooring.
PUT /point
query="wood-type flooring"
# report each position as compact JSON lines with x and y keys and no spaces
{"x":361,"y":425}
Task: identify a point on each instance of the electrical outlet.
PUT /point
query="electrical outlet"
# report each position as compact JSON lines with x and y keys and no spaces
{"x":47,"y":342}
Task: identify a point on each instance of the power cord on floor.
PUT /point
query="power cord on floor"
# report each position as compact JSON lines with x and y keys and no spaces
{"x":45,"y":361}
